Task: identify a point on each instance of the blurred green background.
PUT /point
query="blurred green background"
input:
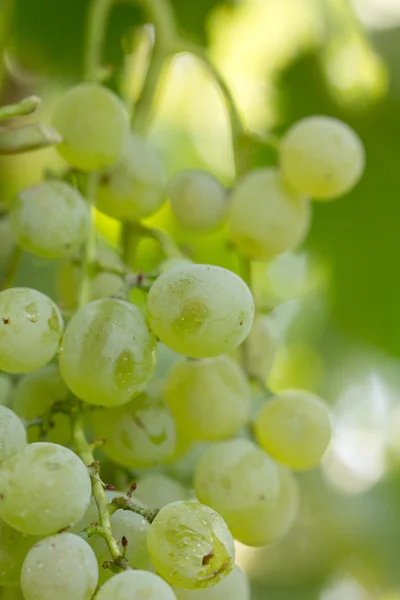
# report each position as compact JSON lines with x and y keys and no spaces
{"x":336,"y":302}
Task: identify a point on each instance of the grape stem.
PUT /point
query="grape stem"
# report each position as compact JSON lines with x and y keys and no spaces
{"x":26,"y":107}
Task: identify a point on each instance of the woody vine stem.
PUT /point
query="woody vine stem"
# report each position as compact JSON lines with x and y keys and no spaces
{"x":167,"y":44}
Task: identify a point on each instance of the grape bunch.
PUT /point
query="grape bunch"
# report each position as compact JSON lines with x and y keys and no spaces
{"x":134,"y":450}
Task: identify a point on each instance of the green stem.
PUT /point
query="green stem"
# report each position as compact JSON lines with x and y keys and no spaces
{"x":25,"y":107}
{"x":34,"y":136}
{"x":85,"y":451}
{"x":96,"y":30}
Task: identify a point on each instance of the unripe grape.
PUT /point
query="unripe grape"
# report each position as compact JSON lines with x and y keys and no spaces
{"x":239,"y":480}
{"x":93,"y":124}
{"x":266,"y":216}
{"x":234,"y":586}
{"x":190,"y":545}
{"x":133,"y":187}
{"x":260,"y":349}
{"x":138,"y":434}
{"x":209,"y":398}
{"x":51,"y":220}
{"x":107,"y":356}
{"x":43,"y":489}
{"x":322,"y":157}
{"x":14,"y":548}
{"x":198,"y":200}
{"x":294,"y":428}
{"x":200,"y":310}
{"x":157,"y":490}
{"x":135,"y":584}
{"x":30,"y":330}
{"x":62,"y":566}
{"x":12,"y":434}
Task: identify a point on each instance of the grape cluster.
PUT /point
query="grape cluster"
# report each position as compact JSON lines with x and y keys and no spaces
{"x":209,"y":468}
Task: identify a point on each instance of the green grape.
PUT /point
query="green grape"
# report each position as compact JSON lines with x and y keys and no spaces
{"x":133,"y":187}
{"x":294,"y":428}
{"x":51,"y":220}
{"x":14,"y":546}
{"x":135,"y":529}
{"x":132,"y":585}
{"x":7,"y":241}
{"x":105,"y":285}
{"x":62,"y":566}
{"x":138,"y":434}
{"x":209,"y":398}
{"x":30,"y":330}
{"x":43,"y":489}
{"x":237,"y":478}
{"x":12,"y":434}
{"x":198,"y":200}
{"x":266,"y":217}
{"x":35,"y":394}
{"x":157,"y":490}
{"x":183,"y":463}
{"x":322,"y":157}
{"x":260,"y":350}
{"x":234,"y":586}
{"x":93,"y":125}
{"x":200,"y":310}
{"x":171,"y":263}
{"x":191,"y":545}
{"x":6,"y":389}
{"x":108,"y":354}
{"x":275,"y":521}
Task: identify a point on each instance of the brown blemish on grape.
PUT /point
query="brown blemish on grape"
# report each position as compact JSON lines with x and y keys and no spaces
{"x":207,"y":558}
{"x":6,"y":321}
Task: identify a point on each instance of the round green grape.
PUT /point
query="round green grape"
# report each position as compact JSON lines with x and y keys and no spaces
{"x":260,"y":350}
{"x":266,"y":217}
{"x":132,"y":585}
{"x":234,"y":586}
{"x":93,"y":124}
{"x":108,"y":354}
{"x":30,"y":330}
{"x":294,"y":428}
{"x":138,"y":434}
{"x":198,"y":200}
{"x":51,"y":220}
{"x":200,"y":310}
{"x":43,"y":489}
{"x":157,"y":490}
{"x":61,"y":566}
{"x":209,"y":398}
{"x":191,"y":545}
{"x":322,"y":157}
{"x":35,"y":394}
{"x":133,"y":187}
{"x":107,"y":285}
{"x":12,"y":434}
{"x":238,"y":480}
{"x":14,"y":546}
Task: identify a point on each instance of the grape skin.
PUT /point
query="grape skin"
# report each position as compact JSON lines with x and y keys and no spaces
{"x":191,"y":545}
{"x":108,"y":354}
{"x":200,"y":310}
{"x":138,"y":434}
{"x":30,"y":330}
{"x":322,"y":157}
{"x":62,"y":566}
{"x":234,"y":586}
{"x":93,"y":124}
{"x":13,"y":549}
{"x":266,"y":217}
{"x":133,"y":187}
{"x":12,"y":434}
{"x":157,"y":490}
{"x":209,"y":398}
{"x":260,"y":350}
{"x":135,"y":584}
{"x":43,"y":489}
{"x":198,"y":200}
{"x":294,"y":428}
{"x":35,"y":394}
{"x":50,"y":220}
